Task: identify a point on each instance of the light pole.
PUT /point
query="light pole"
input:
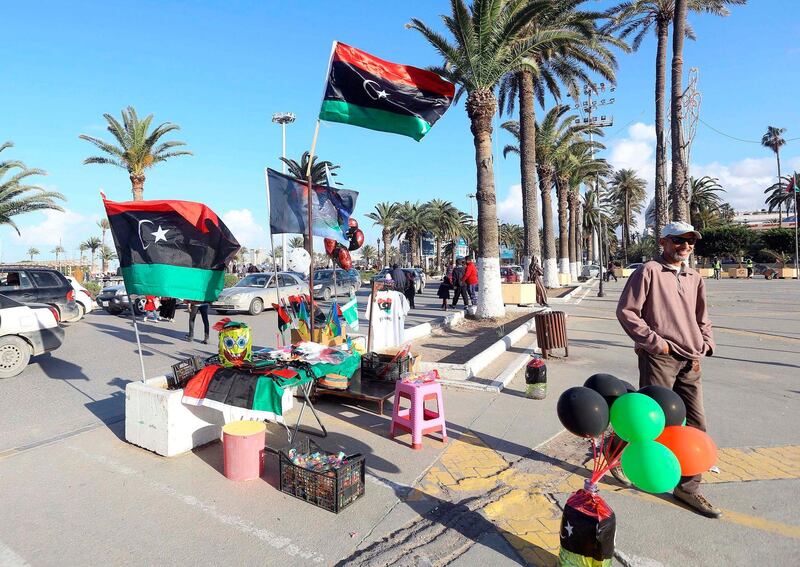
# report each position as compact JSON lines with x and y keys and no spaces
{"x":283,"y":118}
{"x":471,"y":197}
{"x":604,"y":121}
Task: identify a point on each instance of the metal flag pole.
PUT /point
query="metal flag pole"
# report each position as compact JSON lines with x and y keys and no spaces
{"x":274,"y":261}
{"x":132,"y":299}
{"x":371,"y":309}
{"x":310,"y":227}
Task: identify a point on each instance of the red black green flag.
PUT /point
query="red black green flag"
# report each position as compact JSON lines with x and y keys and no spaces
{"x":171,"y":248}
{"x":365,"y":91}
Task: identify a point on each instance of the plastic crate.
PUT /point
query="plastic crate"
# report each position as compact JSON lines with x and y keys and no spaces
{"x":333,"y":490}
{"x":376,"y":366}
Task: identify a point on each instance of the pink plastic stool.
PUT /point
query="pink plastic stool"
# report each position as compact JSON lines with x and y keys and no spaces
{"x":418,"y":420}
{"x":243,"y":449}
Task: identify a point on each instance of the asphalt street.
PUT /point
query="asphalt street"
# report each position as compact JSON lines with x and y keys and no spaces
{"x":75,"y":492}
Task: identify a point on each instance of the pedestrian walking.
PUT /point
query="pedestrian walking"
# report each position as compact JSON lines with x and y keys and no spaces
{"x":610,"y":271}
{"x":167,"y":309}
{"x":196,"y":307}
{"x":411,"y":288}
{"x":471,"y":281}
{"x":399,"y":278}
{"x":749,"y":265}
{"x":717,"y":268}
{"x":459,"y":289}
{"x":150,"y":309}
{"x":443,"y":292}
{"x":663,"y":309}
{"x":536,"y":275}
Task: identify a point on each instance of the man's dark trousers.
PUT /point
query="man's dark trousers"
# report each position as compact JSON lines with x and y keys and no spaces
{"x":683,"y":377}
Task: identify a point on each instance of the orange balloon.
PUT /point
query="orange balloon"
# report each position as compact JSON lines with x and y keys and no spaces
{"x":695,"y":450}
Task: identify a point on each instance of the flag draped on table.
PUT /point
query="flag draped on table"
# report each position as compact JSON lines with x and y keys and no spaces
{"x":171,"y":248}
{"x":365,"y":91}
{"x":288,"y":206}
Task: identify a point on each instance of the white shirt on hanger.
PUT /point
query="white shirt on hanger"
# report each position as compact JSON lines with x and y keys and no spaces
{"x":388,"y":323}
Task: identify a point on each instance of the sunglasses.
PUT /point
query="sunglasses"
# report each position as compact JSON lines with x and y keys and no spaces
{"x":677,"y":240}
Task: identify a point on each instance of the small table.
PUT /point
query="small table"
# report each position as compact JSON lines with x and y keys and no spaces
{"x":369,"y":390}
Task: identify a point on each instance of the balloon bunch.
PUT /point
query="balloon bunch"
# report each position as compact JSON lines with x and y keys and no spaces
{"x":650,"y":438}
{"x":339,"y":253}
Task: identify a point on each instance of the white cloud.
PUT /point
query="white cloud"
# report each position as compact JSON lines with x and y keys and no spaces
{"x":67,"y":228}
{"x":744,"y":181}
{"x":637,"y":152}
{"x":245,"y":228}
{"x":509,"y":210}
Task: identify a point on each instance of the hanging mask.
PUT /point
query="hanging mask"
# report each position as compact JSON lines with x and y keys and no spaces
{"x":235,"y":343}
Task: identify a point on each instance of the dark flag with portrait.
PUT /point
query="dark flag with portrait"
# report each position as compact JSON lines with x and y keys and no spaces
{"x":171,"y":248}
{"x":588,"y":527}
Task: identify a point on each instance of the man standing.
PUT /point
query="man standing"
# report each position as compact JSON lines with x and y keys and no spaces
{"x":471,"y":280}
{"x":749,"y":265}
{"x":459,"y":289}
{"x":399,"y":278}
{"x":717,"y":268}
{"x":663,"y":309}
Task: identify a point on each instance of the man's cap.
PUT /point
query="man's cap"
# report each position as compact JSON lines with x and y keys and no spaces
{"x":678,"y":229}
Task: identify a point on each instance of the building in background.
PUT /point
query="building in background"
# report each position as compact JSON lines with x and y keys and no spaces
{"x":762,"y":220}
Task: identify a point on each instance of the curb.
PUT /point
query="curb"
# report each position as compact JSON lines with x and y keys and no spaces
{"x":425,"y":329}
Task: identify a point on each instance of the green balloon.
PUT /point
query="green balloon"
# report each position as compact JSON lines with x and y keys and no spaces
{"x":651,"y":466}
{"x":636,"y":417}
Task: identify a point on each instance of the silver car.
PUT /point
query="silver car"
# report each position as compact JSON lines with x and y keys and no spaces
{"x":256,"y":292}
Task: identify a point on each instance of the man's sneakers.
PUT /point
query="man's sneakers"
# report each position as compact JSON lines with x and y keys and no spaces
{"x":697,"y":502}
{"x":617,"y":473}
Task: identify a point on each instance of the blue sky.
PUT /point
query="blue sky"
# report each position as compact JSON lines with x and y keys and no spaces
{"x":220,"y":69}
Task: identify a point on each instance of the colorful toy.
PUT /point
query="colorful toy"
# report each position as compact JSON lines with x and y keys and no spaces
{"x":235,"y":342}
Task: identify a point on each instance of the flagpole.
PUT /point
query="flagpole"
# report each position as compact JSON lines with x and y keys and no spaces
{"x":310,"y":227}
{"x":371,"y":310}
{"x":274,"y":260}
{"x":132,"y":300}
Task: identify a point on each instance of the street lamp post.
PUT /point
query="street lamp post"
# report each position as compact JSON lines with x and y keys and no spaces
{"x":604,"y":121}
{"x":282,"y":118}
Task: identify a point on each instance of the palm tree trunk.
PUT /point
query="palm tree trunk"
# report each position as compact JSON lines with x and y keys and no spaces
{"x":573,"y":233}
{"x":137,"y":186}
{"x":625,"y":230}
{"x":549,"y":263}
{"x":788,"y":201}
{"x":662,"y":202}
{"x":481,"y":106}
{"x":387,"y":243}
{"x":680,"y":190}
{"x":527,"y":148}
{"x":563,"y":228}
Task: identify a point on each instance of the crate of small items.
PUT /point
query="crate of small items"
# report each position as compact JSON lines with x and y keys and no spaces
{"x":331,"y":481}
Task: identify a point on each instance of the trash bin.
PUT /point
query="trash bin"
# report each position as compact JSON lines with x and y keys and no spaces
{"x":551,"y":331}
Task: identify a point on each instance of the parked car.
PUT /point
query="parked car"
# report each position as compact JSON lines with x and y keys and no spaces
{"x":357,"y":275}
{"x":508,"y":274}
{"x":26,"y":331}
{"x":517,"y":270}
{"x":419,"y":277}
{"x":83,"y":298}
{"x":323,"y":287}
{"x":634,"y":266}
{"x":31,"y":284}
{"x":258,"y":291}
{"x":114,"y":299}
{"x":589,"y":271}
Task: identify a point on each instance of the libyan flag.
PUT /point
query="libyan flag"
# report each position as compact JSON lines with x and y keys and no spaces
{"x":365,"y":91}
{"x":171,"y":248}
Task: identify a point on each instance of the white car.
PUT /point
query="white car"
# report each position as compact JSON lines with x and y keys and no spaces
{"x":25,"y":331}
{"x":256,"y":292}
{"x":83,"y":299}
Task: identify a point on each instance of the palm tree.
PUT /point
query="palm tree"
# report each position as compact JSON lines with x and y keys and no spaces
{"x":93,"y":244}
{"x":33,"y":252}
{"x":636,"y":18}
{"x":104,"y":226}
{"x":773,"y":139}
{"x":58,"y":251}
{"x":628,"y":193}
{"x":106,"y":255}
{"x":82,"y":248}
{"x":138,"y":147}
{"x":487,"y":43}
{"x":299,"y":169}
{"x":412,"y":220}
{"x":777,"y":196}
{"x":512,"y":236}
{"x":384,"y":216}
{"x":17,"y":197}
{"x":368,"y":253}
{"x":296,"y":242}
{"x":583,"y":47}
{"x":446,"y":225}
{"x":583,"y":168}
{"x":704,"y":201}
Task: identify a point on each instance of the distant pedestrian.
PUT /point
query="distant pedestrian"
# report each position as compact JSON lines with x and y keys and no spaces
{"x":471,"y":281}
{"x":459,"y":288}
{"x":663,"y":309}
{"x":150,"y":308}
{"x":610,"y":271}
{"x":717,"y":268}
{"x":449,"y":272}
{"x":749,"y":265}
{"x":411,"y":288}
{"x":443,"y":292}
{"x":535,"y":274}
{"x":167,"y":309}
{"x":196,"y":307}
{"x":399,"y":278}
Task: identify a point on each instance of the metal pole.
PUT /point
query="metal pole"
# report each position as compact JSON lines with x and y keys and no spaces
{"x":283,"y":236}
{"x":310,"y":228}
{"x":796,"y":222}
{"x":132,"y":299}
{"x":274,"y":263}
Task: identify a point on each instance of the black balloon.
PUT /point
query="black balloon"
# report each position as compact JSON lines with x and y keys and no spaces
{"x":356,"y":239}
{"x":583,"y":412}
{"x":628,"y":386}
{"x":670,"y":402}
{"x":607,"y":385}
